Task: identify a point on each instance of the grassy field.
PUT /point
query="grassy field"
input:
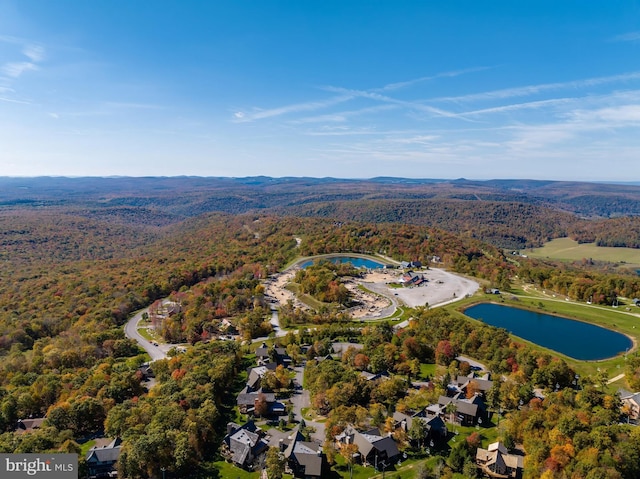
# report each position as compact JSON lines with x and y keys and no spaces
{"x":568,"y":250}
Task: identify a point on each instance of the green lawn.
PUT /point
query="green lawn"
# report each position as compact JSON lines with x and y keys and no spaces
{"x":148,"y":334}
{"x":84,"y":448}
{"x":229,"y":471}
{"x":309,"y":300}
{"x":427,"y":370}
{"x":569,"y":250}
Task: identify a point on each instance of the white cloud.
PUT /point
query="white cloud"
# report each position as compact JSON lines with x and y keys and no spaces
{"x":298,"y":107}
{"x":534,"y":89}
{"x":521,"y":106}
{"x":343,"y":116}
{"x":15,"y":69}
{"x":451,"y":74}
{"x":372,"y":95}
{"x":627,"y":37}
{"x":35,"y":53}
{"x":611,"y":116}
{"x":11,"y":100}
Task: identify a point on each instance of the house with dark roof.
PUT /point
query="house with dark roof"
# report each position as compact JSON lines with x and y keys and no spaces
{"x":102,"y":461}
{"x":247,"y":402}
{"x":146,"y":371}
{"x":304,"y":459}
{"x":495,"y":461}
{"x":374,"y":449}
{"x":468,"y":412}
{"x":264,"y":354}
{"x":436,"y":427}
{"x":28,"y":425}
{"x":244,"y":445}
{"x":411,"y":264}
{"x":413,"y":279}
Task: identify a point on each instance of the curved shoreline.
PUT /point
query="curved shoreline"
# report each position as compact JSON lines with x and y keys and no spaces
{"x":633,"y":340}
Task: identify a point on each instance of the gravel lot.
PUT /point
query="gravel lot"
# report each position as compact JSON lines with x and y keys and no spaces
{"x":442,"y":287}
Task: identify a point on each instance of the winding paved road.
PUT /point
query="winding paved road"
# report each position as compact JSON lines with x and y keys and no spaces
{"x":131,"y":332}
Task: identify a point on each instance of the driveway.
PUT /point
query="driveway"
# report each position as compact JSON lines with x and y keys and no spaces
{"x":299,"y":400}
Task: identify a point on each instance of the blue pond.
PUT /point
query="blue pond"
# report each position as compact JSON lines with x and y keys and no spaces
{"x":356,"y":262}
{"x":576,"y":339}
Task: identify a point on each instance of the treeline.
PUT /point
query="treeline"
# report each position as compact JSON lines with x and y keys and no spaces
{"x":322,"y":281}
{"x":182,"y":423}
{"x":576,"y":434}
{"x":176,"y":427}
{"x":238,"y":296}
{"x":63,"y":316}
{"x":434,"y":335}
{"x":506,"y":224}
{"x":599,"y":288}
{"x":615,"y":232}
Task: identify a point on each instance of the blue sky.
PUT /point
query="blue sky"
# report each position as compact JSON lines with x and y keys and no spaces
{"x":351,"y":89}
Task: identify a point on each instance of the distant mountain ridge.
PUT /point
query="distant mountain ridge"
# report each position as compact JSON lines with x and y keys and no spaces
{"x":511,"y":213}
{"x":208,"y":193}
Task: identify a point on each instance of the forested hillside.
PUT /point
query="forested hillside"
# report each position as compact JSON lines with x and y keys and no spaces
{"x":507,"y":213}
{"x":76,"y":263}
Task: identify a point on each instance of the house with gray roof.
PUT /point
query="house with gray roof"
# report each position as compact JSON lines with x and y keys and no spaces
{"x":279,"y":355}
{"x":244,"y":445}
{"x":468,"y":412}
{"x":631,"y":401}
{"x":436,"y":428}
{"x":304,"y":459}
{"x":102,"y":461}
{"x":247,"y":401}
{"x":28,"y":425}
{"x":462,"y":383}
{"x":495,"y":461}
{"x":374,"y":449}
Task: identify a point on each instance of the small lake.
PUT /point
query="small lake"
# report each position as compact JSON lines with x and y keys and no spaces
{"x":576,"y":339}
{"x":356,"y":262}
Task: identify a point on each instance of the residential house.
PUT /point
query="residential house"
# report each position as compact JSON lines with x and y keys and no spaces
{"x":146,"y":371}
{"x":254,"y":379}
{"x":102,"y":461}
{"x":410,"y":264}
{"x":264,"y":355}
{"x":304,"y":459}
{"x":468,"y":412}
{"x":373,"y":448}
{"x":28,"y":425}
{"x":374,"y":376}
{"x":631,"y":402}
{"x":462,"y":383}
{"x":244,"y":445}
{"x":495,"y":461}
{"x":436,"y":427}
{"x":264,"y":402}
